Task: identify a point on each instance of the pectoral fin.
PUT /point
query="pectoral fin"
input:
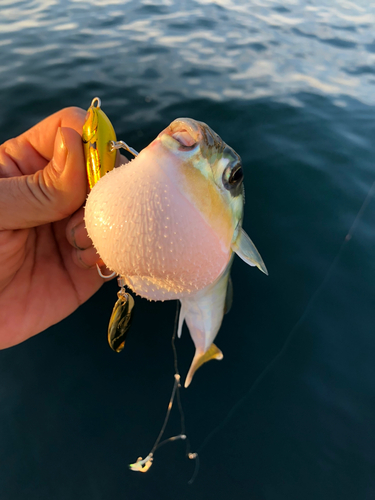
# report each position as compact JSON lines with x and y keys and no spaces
{"x":213,"y":352}
{"x":246,"y":250}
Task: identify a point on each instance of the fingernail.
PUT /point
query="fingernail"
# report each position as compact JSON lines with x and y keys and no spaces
{"x":73,"y":237}
{"x":85,"y":240}
{"x":60,"y":152}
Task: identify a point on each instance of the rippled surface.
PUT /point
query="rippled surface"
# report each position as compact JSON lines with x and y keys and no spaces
{"x":259,"y":49}
{"x":290,"y":86}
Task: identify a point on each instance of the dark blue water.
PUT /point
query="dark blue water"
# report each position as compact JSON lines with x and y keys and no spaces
{"x":290,"y":86}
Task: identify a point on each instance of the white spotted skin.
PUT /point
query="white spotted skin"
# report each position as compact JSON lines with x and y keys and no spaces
{"x":148,"y":231}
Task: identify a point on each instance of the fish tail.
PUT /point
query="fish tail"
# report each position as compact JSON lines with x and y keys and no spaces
{"x":213,"y":352}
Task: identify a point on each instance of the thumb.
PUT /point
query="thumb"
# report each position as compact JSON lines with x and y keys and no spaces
{"x":50,"y":194}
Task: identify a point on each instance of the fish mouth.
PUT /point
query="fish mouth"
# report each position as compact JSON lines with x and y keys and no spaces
{"x":186,"y":132}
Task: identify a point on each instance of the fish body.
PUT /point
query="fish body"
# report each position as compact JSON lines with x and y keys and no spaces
{"x":169,"y":222}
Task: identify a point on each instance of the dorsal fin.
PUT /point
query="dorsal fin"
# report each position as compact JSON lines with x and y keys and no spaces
{"x":229,"y":296}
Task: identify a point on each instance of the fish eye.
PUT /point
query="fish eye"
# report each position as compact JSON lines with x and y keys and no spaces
{"x":233,"y":175}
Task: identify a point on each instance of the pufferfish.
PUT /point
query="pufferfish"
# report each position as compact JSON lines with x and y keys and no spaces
{"x":169,"y":223}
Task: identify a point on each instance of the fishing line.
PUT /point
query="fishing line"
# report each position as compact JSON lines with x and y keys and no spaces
{"x":143,"y":465}
{"x":288,"y":339}
{"x":188,"y":453}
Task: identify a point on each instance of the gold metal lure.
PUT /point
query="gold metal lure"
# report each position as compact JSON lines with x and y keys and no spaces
{"x":98,"y":137}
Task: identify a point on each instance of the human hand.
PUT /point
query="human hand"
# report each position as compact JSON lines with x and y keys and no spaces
{"x":43,"y":186}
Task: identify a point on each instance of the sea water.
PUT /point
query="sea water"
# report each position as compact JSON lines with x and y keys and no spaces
{"x":290,"y":86}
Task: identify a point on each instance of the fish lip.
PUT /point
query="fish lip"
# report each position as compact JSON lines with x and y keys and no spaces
{"x":184,"y":126}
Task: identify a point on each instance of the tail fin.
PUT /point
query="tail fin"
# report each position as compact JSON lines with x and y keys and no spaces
{"x":213,"y":352}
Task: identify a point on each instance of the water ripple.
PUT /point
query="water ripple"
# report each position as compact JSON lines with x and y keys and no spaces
{"x":285,"y":48}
